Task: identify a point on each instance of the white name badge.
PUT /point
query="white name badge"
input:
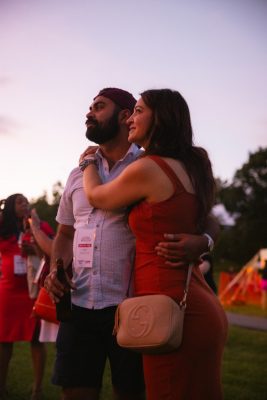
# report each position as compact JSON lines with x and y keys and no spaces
{"x":39,"y":271}
{"x":19,"y":265}
{"x":84,"y":248}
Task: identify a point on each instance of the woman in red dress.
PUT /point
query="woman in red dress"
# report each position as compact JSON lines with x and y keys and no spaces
{"x":171,"y":189}
{"x":16,"y":322}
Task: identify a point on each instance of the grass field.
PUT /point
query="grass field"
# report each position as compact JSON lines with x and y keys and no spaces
{"x":245,"y":366}
{"x":244,"y":369}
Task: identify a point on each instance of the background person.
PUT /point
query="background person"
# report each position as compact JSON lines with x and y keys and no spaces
{"x":44,"y":240}
{"x":171,"y":189}
{"x":263,"y":285}
{"x":16,"y":323}
{"x":206,"y":267}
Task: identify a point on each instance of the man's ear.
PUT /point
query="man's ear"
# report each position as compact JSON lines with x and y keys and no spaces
{"x":124,"y":115}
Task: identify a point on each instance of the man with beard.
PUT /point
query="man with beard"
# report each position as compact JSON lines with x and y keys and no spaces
{"x":103,"y":252}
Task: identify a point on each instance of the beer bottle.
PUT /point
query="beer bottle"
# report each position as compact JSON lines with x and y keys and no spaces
{"x":63,"y":307}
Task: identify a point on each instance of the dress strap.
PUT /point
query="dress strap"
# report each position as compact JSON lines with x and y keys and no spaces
{"x":168,"y":171}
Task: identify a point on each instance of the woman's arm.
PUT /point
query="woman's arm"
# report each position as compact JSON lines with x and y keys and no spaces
{"x":41,"y":238}
{"x":132,"y":185}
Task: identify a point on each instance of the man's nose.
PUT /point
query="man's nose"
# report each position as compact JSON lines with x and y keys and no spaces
{"x":90,"y":113}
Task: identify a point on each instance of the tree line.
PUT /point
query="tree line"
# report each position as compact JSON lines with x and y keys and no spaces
{"x":245,"y":198}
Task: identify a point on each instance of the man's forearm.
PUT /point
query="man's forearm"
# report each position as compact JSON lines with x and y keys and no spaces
{"x":212,"y":227}
{"x":62,"y":248}
{"x":180,"y":248}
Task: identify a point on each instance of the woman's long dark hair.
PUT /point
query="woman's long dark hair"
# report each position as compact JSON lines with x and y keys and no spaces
{"x":172,"y":136}
{"x":10,"y":225}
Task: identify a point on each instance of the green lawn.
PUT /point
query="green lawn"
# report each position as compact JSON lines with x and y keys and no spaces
{"x":245,"y":365}
{"x":244,"y":369}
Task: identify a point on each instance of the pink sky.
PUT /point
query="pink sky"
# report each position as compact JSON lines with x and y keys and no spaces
{"x":56,"y":55}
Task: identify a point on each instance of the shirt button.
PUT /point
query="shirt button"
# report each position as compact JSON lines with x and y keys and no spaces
{"x":95,"y":247}
{"x":95,"y":273}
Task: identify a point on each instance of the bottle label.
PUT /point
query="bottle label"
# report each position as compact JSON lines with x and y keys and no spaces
{"x":84,"y":248}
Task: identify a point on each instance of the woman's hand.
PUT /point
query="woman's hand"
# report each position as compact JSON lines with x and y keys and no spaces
{"x":34,"y":220}
{"x":88,"y":152}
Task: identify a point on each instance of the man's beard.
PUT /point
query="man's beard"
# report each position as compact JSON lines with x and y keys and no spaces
{"x":105,"y":132}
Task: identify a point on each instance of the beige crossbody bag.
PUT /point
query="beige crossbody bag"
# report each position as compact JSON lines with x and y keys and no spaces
{"x":151,"y":324}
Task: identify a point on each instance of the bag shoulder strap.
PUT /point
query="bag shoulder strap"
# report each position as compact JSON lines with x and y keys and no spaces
{"x":189,"y":273}
{"x":183,"y":301}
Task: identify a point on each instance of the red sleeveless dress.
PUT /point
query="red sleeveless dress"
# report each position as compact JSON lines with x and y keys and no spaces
{"x":16,"y":320}
{"x":193,"y":372}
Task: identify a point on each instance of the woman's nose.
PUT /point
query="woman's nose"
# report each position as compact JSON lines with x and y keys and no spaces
{"x":129,"y":120}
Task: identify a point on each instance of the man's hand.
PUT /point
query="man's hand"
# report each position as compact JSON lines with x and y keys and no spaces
{"x":55,"y":288}
{"x":182,"y":248}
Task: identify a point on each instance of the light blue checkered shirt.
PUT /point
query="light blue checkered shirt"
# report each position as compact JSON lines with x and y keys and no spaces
{"x":105,"y":284}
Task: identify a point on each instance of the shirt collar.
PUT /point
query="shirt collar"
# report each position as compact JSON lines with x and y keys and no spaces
{"x":133,"y":152}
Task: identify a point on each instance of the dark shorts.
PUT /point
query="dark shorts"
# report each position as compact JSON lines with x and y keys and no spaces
{"x":83,"y":346}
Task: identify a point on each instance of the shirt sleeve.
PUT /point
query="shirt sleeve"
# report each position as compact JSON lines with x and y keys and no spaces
{"x":65,"y":210}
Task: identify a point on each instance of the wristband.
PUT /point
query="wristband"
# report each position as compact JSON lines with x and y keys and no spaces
{"x":210,"y":241}
{"x":87,"y":161}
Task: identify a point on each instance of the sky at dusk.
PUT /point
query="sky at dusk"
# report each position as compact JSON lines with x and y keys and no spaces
{"x":55,"y":55}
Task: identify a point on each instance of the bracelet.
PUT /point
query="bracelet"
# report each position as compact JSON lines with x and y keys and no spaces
{"x":87,"y":161}
{"x":210,"y":241}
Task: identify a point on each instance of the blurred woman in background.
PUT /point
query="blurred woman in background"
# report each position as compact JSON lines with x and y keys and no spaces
{"x":16,"y":322}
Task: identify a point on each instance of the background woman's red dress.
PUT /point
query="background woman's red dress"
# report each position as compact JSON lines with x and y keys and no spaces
{"x":16,"y":320}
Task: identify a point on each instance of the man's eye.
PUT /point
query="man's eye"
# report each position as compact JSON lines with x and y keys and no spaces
{"x":99,"y":107}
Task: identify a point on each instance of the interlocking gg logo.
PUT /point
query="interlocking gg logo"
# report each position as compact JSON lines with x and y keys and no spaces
{"x":140,"y":321}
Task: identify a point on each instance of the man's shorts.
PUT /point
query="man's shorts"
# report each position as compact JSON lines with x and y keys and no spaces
{"x":83,"y":346}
